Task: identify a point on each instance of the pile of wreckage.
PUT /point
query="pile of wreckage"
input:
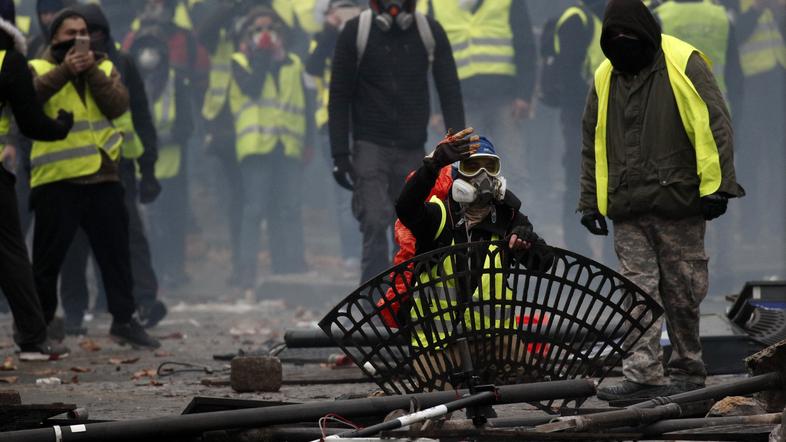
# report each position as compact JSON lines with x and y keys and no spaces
{"x":445,"y":353}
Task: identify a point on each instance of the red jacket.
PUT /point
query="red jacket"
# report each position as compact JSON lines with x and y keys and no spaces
{"x":407,"y":246}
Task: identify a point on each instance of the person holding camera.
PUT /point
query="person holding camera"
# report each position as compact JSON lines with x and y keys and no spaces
{"x":75,"y":182}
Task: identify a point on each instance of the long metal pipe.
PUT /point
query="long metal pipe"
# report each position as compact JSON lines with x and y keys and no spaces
{"x":165,"y":428}
{"x":755,"y":384}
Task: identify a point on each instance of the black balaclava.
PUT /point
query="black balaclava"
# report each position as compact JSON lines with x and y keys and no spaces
{"x":60,"y":50}
{"x":635,"y":47}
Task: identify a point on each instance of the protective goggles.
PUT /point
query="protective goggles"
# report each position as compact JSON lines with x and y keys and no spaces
{"x":474,"y":165}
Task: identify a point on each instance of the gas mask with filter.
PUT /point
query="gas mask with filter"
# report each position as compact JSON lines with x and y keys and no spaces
{"x":479,"y":181}
{"x":388,"y":12}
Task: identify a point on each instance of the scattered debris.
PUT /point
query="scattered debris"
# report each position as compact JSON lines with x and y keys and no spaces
{"x":10,"y":397}
{"x":146,"y":373}
{"x":90,"y":345}
{"x":118,"y":361}
{"x":8,"y":364}
{"x":81,"y":369}
{"x":174,"y":335}
{"x":216,"y":382}
{"x":162,"y":354}
{"x":736,"y":406}
{"x":48,"y":381}
{"x":45,"y":373}
{"x":8,"y":379}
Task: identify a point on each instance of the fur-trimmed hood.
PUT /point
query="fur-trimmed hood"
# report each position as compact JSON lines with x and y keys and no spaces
{"x":16,"y":35}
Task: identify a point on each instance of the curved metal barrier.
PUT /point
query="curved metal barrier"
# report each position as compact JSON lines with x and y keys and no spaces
{"x":577,"y":318}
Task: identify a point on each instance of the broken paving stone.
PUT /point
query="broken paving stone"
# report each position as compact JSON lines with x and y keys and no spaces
{"x":736,"y":406}
{"x":255,"y":373}
{"x":8,"y":379}
{"x":8,"y":364}
{"x":81,"y":369}
{"x":89,"y":345}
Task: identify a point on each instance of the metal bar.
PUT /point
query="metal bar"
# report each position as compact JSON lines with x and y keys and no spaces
{"x":742,"y":387}
{"x":484,"y":398}
{"x":166,"y":427}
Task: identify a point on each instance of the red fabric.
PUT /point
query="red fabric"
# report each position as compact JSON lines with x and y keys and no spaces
{"x":407,"y":246}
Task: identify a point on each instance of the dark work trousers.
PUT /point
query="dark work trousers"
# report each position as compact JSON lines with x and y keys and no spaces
{"x":73,"y":277}
{"x":23,"y":184}
{"x":379,"y":177}
{"x":234,"y":201}
{"x":16,"y":275}
{"x":576,"y":236}
{"x":272,"y":184}
{"x":168,"y":223}
{"x":61,"y":209}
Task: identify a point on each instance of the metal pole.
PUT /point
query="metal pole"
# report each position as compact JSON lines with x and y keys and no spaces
{"x":165,"y":428}
{"x":755,"y":384}
{"x":484,"y":398}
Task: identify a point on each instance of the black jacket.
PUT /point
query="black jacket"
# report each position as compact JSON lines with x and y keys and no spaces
{"x":424,"y":218}
{"x":16,"y":90}
{"x":387,"y":96}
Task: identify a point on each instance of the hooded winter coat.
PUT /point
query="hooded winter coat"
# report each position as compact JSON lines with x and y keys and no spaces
{"x":651,"y":161}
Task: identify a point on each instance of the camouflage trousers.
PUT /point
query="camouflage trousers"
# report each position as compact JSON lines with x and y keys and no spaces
{"x":666,"y":259}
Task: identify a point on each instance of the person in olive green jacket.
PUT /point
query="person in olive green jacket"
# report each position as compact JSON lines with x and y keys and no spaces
{"x":658,"y":182}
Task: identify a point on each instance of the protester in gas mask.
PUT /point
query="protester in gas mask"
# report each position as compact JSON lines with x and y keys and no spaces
{"x":76,"y":182}
{"x":273,"y":122}
{"x":382,"y":94}
{"x":478,"y":208}
{"x":655,"y":116}
{"x":168,"y":95}
{"x":139,"y":153}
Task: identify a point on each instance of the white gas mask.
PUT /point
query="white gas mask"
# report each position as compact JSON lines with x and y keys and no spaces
{"x":481,"y":188}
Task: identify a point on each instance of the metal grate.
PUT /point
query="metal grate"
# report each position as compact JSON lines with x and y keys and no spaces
{"x":577,"y":319}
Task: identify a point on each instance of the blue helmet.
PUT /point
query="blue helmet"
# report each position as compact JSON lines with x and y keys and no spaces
{"x":485,"y":158}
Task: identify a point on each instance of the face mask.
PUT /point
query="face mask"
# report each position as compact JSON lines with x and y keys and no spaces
{"x":629,"y":54}
{"x":59,"y":50}
{"x":393,"y":12}
{"x":481,"y":189}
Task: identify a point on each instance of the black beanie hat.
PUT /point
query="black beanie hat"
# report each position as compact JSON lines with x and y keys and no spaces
{"x":60,"y":18}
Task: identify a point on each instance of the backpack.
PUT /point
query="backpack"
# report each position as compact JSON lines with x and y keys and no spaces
{"x":364,"y":29}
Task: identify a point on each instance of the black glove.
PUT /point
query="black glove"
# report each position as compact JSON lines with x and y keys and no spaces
{"x":539,"y":257}
{"x":343,"y":172}
{"x":452,"y":148}
{"x":524,"y":233}
{"x":149,"y":188}
{"x":713,"y":206}
{"x":595,"y":222}
{"x":66,"y":119}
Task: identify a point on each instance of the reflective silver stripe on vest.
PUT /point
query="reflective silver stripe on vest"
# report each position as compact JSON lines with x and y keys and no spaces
{"x":85,"y":125}
{"x":773,"y":44}
{"x":484,"y":58}
{"x":276,"y":131}
{"x":506,"y":42}
{"x":69,"y":154}
{"x":114,"y":139}
{"x":217,"y":91}
{"x":497,"y":310}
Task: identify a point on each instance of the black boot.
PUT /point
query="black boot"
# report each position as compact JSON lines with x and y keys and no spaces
{"x":152,"y":313}
{"x":132,"y":333}
{"x":630,"y":390}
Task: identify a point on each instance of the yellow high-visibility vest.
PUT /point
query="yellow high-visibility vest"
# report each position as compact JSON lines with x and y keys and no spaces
{"x":322,"y":87}
{"x":595,"y":54}
{"x":79,"y":154}
{"x":132,"y":145}
{"x":442,"y":298}
{"x":702,"y":24}
{"x":278,"y":115}
{"x":169,"y":148}
{"x":220,"y":76}
{"x":305,"y":10}
{"x":693,"y":113}
{"x":765,"y":48}
{"x":482,"y":42}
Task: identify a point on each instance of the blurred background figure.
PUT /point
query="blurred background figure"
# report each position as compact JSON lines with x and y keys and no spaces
{"x":318,"y":67}
{"x":379,"y":93}
{"x":139,"y":153}
{"x":272,"y":122}
{"x":45,"y":12}
{"x":565,"y":81}
{"x":168,"y":98}
{"x":494,"y":49}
